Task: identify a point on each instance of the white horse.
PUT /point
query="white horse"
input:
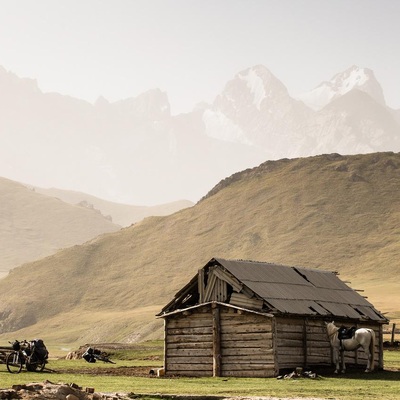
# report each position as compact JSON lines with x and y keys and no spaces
{"x":363,"y":337}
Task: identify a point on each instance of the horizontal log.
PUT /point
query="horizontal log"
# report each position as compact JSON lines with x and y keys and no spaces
{"x":190,"y":331}
{"x":317,"y":336}
{"x":289,"y":328}
{"x":244,"y":367}
{"x":246,"y":318}
{"x":248,"y":343}
{"x":188,"y":338}
{"x":318,"y":352}
{"x":189,"y":323}
{"x":245,"y":328}
{"x":290,"y":351}
{"x":250,"y":374}
{"x":189,"y":360}
{"x":191,"y":372}
{"x":288,"y":362}
{"x":313,"y":360}
{"x":314,"y":344}
{"x":198,"y":313}
{"x":250,"y":351}
{"x":245,"y":336}
{"x":290,"y":335}
{"x":190,"y":345}
{"x":290,"y":343}
{"x":190,"y":352}
{"x":252,"y":359}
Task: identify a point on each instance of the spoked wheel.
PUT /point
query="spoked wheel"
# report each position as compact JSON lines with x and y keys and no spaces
{"x":34,"y":364}
{"x":14,"y":362}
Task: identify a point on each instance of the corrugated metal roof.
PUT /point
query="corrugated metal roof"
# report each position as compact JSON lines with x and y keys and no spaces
{"x":295,"y":290}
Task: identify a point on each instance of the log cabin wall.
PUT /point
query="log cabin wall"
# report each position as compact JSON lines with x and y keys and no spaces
{"x":246,"y":344}
{"x":215,"y":340}
{"x":304,"y":342}
{"x":189,"y":343}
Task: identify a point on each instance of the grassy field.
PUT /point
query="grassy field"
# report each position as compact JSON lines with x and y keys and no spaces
{"x":355,"y":385}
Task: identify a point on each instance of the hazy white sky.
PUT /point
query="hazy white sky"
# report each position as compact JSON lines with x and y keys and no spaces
{"x":191,"y":48}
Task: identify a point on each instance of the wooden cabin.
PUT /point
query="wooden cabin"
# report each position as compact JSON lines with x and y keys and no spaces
{"x":255,"y":319}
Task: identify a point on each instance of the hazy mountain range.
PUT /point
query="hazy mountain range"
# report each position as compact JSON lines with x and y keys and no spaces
{"x":134,"y":151}
{"x":340,"y":213}
{"x":36,"y":222}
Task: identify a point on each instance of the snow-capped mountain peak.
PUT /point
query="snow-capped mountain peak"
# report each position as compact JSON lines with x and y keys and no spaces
{"x":353,"y":78}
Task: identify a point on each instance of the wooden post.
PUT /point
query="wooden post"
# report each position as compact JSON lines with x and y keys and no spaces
{"x":165,"y":344}
{"x":200,"y":285}
{"x":305,"y":342}
{"x":380,"y":362}
{"x":216,"y":340}
{"x":356,"y":351}
{"x":393,"y":333}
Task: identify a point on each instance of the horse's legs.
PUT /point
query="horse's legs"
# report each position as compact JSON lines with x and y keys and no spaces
{"x":369,"y":357}
{"x":336,"y":360}
{"x":343,"y":363}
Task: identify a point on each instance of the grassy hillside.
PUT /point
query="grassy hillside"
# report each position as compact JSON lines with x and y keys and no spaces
{"x":334,"y":212}
{"x":121,"y":214}
{"x":33,"y":226}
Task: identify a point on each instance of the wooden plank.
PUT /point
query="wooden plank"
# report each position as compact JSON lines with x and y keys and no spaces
{"x":293,"y":351}
{"x":265,"y":343}
{"x":242,"y":329}
{"x":289,"y":335}
{"x":207,"y":352}
{"x":244,"y":367}
{"x":290,"y":329}
{"x":314,"y":344}
{"x":210,"y":286}
{"x":207,"y":330}
{"x":225,"y":276}
{"x":298,"y":343}
{"x":188,"y":338}
{"x":251,"y":374}
{"x":246,"y":336}
{"x":248,"y":326}
{"x":248,"y":360}
{"x":190,"y":345}
{"x":305,"y":341}
{"x":234,"y":320}
{"x":256,"y":358}
{"x":190,"y":373}
{"x":216,"y":350}
{"x":201,"y":285}
{"x":190,"y":323}
{"x":218,"y":293}
{"x":165,"y":343}
{"x":189,"y":360}
{"x":250,"y":351}
{"x":241,"y":300}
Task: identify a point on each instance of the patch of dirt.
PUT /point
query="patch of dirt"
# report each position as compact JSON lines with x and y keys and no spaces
{"x":118,"y":371}
{"x":51,"y":391}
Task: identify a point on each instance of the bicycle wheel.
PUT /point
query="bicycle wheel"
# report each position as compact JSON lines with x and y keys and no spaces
{"x":33,"y":363}
{"x":14,"y":362}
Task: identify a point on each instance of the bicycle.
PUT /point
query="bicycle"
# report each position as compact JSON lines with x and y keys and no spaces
{"x":26,"y":353}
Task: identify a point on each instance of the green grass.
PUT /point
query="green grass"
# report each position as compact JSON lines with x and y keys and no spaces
{"x":354,"y":385}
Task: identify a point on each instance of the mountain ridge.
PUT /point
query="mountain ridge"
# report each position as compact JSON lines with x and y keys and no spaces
{"x":30,"y":225}
{"x":335,"y":212}
{"x":31,"y":217}
{"x":135,"y":151}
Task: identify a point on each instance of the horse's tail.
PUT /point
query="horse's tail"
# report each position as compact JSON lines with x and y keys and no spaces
{"x":372,"y":349}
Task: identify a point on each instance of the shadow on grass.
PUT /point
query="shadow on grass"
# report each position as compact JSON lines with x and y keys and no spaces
{"x":351,"y":373}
